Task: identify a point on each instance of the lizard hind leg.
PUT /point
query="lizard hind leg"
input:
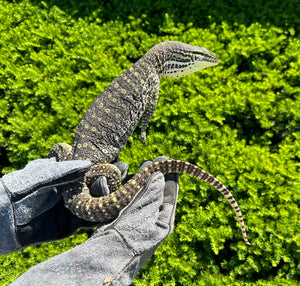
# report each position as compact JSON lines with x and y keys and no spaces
{"x":61,"y":151}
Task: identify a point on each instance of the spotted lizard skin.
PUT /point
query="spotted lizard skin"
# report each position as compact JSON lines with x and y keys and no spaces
{"x":112,"y":118}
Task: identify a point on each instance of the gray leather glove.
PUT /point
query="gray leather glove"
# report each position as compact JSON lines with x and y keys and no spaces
{"x":116,"y":252}
{"x":31,"y":206}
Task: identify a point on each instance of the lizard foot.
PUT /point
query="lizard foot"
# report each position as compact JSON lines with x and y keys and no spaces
{"x":61,"y":151}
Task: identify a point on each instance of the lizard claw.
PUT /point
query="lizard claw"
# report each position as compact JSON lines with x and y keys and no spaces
{"x":144,"y":136}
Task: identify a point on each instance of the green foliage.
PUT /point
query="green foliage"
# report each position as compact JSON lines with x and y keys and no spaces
{"x":239,"y":121}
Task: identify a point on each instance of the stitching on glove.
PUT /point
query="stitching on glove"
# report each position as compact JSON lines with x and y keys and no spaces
{"x":6,"y":189}
{"x":115,"y":279}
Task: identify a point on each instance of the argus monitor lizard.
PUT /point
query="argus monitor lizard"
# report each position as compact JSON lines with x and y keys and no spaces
{"x":112,"y":118}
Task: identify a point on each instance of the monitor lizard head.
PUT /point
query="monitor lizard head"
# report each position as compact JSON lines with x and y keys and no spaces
{"x":175,"y":59}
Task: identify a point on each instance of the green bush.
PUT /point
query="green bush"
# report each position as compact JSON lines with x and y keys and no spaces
{"x":239,"y":121}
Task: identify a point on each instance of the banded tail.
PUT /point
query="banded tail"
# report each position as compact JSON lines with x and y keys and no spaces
{"x":108,"y":207}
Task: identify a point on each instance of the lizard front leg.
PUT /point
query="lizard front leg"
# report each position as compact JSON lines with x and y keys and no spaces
{"x":149,"y":110}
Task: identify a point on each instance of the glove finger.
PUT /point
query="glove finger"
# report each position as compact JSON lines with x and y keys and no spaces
{"x":99,"y":188}
{"x":32,"y":190}
{"x":42,"y":175}
{"x":171,"y":189}
{"x":138,"y":221}
{"x":145,"y":222}
{"x":172,"y":184}
{"x":123,"y":167}
{"x":144,"y":164}
{"x":168,"y":208}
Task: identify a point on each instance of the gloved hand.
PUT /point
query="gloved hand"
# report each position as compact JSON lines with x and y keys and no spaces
{"x":116,"y":252}
{"x":31,"y":206}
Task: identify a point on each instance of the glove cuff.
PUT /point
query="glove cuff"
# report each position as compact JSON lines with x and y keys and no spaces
{"x":8,"y":238}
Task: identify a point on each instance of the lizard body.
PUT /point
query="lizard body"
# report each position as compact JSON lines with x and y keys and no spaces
{"x":112,"y":118}
{"x":131,"y":97}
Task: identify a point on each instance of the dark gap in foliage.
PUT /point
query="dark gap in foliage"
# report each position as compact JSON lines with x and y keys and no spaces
{"x":45,"y":104}
{"x":85,"y":84}
{"x":132,"y":59}
{"x":247,"y":125}
{"x":200,"y":13}
{"x":280,"y":134}
{"x":244,"y":64}
{"x":4,"y":159}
